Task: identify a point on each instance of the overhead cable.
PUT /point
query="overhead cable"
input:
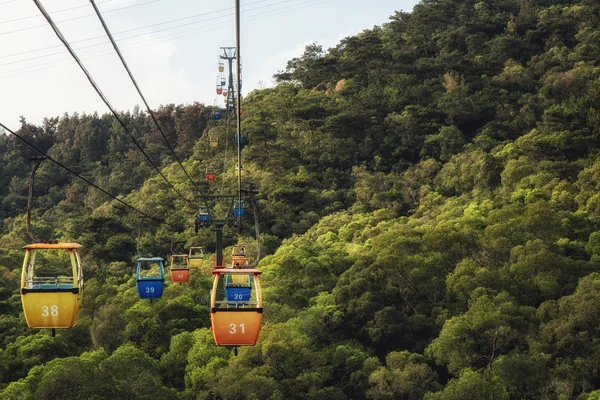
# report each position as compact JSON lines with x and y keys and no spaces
{"x":79,"y":176}
{"x":102,"y":96}
{"x":53,"y":12}
{"x":160,"y":39}
{"x":112,"y":40}
{"x":148,"y":26}
{"x":76,"y":18}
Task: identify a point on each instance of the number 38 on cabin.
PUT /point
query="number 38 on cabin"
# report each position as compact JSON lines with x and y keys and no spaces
{"x":51,"y":285}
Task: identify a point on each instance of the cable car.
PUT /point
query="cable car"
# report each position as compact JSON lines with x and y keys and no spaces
{"x":223,"y":82}
{"x":243,"y":139}
{"x":196,"y":257}
{"x":210,"y":174}
{"x":221,"y":67}
{"x":238,"y":255}
{"x":219,"y":89}
{"x":236,"y":320}
{"x":239,"y":208}
{"x":180,"y":268}
{"x":216,"y":115}
{"x":225,"y":92}
{"x":150,"y":277}
{"x":51,"y":286}
{"x":214,"y":141}
{"x":203,"y":218}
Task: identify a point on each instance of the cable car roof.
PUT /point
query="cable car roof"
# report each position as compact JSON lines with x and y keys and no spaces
{"x":47,"y":246}
{"x":232,"y":271}
{"x":150,"y":259}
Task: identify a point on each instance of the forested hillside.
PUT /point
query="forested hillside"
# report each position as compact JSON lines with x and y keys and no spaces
{"x":428,"y":200}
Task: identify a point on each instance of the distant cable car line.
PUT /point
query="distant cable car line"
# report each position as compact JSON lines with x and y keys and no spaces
{"x":76,"y":18}
{"x":81,"y":177}
{"x":9,"y":1}
{"x":102,"y":96}
{"x":112,"y":40}
{"x":163,"y":39}
{"x":53,"y":12}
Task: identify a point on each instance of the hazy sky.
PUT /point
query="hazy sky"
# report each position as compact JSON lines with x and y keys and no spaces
{"x":174,"y":58}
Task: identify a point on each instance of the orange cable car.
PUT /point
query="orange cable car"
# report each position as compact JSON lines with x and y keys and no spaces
{"x":236,"y":320}
{"x":51,"y":296}
{"x":180,"y":268}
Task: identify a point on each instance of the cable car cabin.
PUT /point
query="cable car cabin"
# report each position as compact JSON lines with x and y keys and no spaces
{"x":213,"y":140}
{"x":196,"y":257}
{"x":219,"y":89}
{"x":51,"y":285}
{"x":239,"y":208}
{"x":223,"y":82}
{"x":243,"y":139}
{"x":238,"y":289}
{"x":225,"y":92}
{"x":202,"y":219}
{"x":216,"y":115}
{"x":180,"y":268}
{"x":221,"y":67}
{"x":210,"y":174}
{"x":238,"y":256}
{"x":236,"y":320}
{"x":150,"y":277}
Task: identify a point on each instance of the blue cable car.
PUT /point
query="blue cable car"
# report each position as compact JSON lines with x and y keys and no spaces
{"x":238,"y":289}
{"x":203,"y":219}
{"x":216,"y":115}
{"x":223,"y":82}
{"x":239,"y":208}
{"x":243,"y":140}
{"x":150,"y":277}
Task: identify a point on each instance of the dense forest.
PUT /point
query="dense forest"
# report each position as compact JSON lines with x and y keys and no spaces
{"x":427,"y":203}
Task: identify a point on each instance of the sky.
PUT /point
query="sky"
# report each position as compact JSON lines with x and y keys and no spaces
{"x":171,"y":46}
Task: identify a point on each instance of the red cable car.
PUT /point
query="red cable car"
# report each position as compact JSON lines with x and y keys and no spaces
{"x":210,"y":174}
{"x":219,"y":89}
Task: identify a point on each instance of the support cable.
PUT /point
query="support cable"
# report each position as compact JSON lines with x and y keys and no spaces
{"x":112,"y":40}
{"x":102,"y":96}
{"x":81,"y":177}
{"x":238,"y":90}
{"x":38,"y":161}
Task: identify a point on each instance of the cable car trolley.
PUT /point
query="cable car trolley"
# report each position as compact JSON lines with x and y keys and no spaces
{"x":51,"y":297}
{"x":180,"y":268}
{"x":236,"y":320}
{"x":196,"y":257}
{"x":150,"y":277}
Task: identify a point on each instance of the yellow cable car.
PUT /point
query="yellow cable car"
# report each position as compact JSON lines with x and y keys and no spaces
{"x":196,"y":257}
{"x":50,"y":297}
{"x":236,"y":320}
{"x":214,"y":141}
